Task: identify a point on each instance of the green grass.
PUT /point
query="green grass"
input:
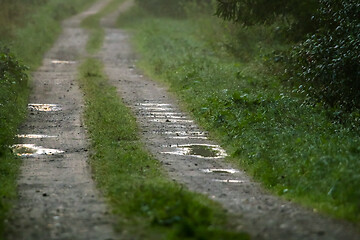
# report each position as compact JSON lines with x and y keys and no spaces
{"x":92,"y":24}
{"x":29,"y":28}
{"x":149,"y":205}
{"x":292,"y":146}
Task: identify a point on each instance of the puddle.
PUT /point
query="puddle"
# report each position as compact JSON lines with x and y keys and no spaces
{"x":165,"y":113}
{"x":189,"y":137}
{"x":229,"y":181}
{"x":34,"y":136}
{"x":185,"y":133}
{"x":199,"y":150}
{"x":62,"y":62}
{"x":162,"y":116}
{"x":44,"y":107}
{"x":220,"y":170}
{"x":164,"y":120}
{"x":155,"y":104}
{"x":29,"y":150}
{"x":157,"y":109}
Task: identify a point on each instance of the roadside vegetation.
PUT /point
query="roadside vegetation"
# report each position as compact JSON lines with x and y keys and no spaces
{"x":242,"y":82}
{"x":27,"y":30}
{"x":148,"y":203}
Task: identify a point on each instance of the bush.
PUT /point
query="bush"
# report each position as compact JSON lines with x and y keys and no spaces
{"x":13,"y":82}
{"x":168,"y":8}
{"x":297,"y":13}
{"x":327,"y":62}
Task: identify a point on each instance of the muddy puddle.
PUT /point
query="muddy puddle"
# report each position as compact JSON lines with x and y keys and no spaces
{"x":30,"y":150}
{"x":62,"y":62}
{"x":44,"y":107}
{"x":198,"y":150}
{"x":34,"y":136}
{"x":229,"y":181}
{"x":220,"y":170}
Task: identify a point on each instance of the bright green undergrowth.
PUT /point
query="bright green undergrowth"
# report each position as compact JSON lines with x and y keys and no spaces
{"x":293,"y":147}
{"x":29,"y":28}
{"x":92,"y":24}
{"x":150,"y":206}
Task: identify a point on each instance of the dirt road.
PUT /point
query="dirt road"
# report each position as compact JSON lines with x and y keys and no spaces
{"x":58,"y":199}
{"x":196,"y":161}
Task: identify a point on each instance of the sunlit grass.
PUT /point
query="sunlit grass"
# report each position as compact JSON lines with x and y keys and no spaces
{"x":291,"y":146}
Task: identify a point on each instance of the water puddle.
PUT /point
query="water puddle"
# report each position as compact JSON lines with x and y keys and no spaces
{"x":155,"y":104}
{"x":157,"y":109}
{"x":164,"y":120}
{"x":199,"y":150}
{"x":34,"y":136}
{"x":44,"y":107}
{"x":220,"y":170}
{"x":188,"y":137}
{"x":62,"y":62}
{"x":162,"y":116}
{"x":229,"y":180}
{"x":30,"y":150}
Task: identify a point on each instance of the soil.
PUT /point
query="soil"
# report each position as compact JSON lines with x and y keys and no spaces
{"x":168,"y":132}
{"x":58,"y":198}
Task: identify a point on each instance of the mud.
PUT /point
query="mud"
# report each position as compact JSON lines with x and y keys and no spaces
{"x":254,"y":209}
{"x":57,"y":196}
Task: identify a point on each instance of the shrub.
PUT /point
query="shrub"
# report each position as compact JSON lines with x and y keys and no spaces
{"x":13,"y":82}
{"x":327,"y":62}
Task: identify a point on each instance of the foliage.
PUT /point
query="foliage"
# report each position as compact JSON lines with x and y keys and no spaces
{"x":299,"y":13}
{"x":150,"y":205}
{"x":170,"y":8}
{"x":290,"y":146}
{"x":13,"y":80}
{"x":328,"y":62}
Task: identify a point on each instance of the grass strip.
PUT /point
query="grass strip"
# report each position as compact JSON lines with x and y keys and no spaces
{"x":92,"y":24}
{"x":294,"y":148}
{"x":148,"y":204}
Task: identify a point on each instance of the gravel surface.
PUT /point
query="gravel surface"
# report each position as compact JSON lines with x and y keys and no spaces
{"x":58,"y":198}
{"x":194,"y":160}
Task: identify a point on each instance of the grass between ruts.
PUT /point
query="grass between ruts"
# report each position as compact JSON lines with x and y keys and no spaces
{"x":150,"y":205}
{"x":92,"y":24}
{"x":29,"y":28}
{"x":294,"y":148}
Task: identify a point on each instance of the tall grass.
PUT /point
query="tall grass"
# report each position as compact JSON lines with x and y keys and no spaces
{"x":288,"y":144}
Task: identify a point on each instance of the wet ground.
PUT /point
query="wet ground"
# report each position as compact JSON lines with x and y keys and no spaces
{"x":58,"y":199}
{"x":198,"y":162}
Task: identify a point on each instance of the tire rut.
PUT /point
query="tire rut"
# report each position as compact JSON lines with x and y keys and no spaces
{"x":171,"y":135}
{"x":57,"y":196}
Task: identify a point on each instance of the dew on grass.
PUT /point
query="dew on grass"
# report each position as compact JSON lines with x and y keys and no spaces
{"x":44,"y":107}
{"x":207,"y":151}
{"x":30,"y":150}
{"x":220,"y":170}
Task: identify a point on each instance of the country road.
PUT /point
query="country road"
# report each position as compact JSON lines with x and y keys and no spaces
{"x":58,"y":197}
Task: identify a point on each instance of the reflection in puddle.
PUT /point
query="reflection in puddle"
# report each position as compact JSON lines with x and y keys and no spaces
{"x":166,"y":113}
{"x":155,"y":104}
{"x":220,"y":170}
{"x":44,"y":107}
{"x":199,"y":150}
{"x":165,"y":116}
{"x":229,"y":181}
{"x":62,"y":62}
{"x":189,"y":137}
{"x":29,"y":150}
{"x":35,"y":136}
{"x":159,"y":109}
{"x":164,"y":120}
{"x":185,"y":133}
